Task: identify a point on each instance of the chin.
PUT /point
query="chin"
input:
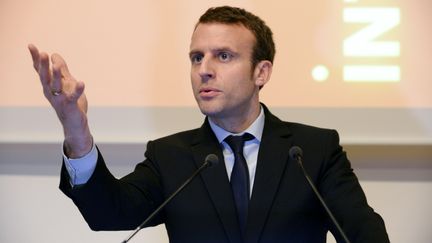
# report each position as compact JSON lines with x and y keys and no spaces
{"x":209,"y":109}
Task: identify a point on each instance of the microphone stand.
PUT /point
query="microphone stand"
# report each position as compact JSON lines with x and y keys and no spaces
{"x":297,"y":153}
{"x":210,"y":160}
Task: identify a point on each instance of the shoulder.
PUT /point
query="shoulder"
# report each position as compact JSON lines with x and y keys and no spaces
{"x":297,"y":130}
{"x":300,"y":129}
{"x":312,"y":139}
{"x":274,"y":123}
{"x":184,"y":138}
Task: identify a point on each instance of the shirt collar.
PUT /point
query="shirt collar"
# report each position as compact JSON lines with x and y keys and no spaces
{"x":256,"y":128}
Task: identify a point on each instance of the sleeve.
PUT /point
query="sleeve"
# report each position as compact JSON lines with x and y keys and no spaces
{"x":108,"y":203}
{"x":342,"y":192}
{"x":81,"y":169}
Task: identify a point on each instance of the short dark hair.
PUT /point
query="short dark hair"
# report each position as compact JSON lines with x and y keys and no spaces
{"x":264,"y":47}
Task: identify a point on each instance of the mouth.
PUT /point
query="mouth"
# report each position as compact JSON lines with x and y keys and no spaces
{"x":208,"y":92}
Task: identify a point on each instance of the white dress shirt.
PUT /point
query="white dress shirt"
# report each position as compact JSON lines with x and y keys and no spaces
{"x":250,"y":149}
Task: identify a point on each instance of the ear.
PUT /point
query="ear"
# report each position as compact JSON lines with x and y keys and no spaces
{"x":262,"y":72}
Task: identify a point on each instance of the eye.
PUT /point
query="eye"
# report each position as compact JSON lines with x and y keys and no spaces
{"x":225,"y":56}
{"x":196,"y":58}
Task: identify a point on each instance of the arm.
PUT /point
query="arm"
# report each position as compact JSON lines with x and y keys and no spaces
{"x":66,"y":96}
{"x":105,"y":202}
{"x":345,"y":197}
{"x":108,"y":203}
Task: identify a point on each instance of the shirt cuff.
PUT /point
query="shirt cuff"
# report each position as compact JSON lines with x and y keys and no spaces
{"x":80,"y":170}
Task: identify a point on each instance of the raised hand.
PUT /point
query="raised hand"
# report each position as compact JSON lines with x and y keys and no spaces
{"x":66,"y":96}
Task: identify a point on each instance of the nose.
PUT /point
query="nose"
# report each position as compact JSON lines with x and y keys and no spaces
{"x":206,"y":69}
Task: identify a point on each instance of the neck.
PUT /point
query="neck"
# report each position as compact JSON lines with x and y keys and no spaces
{"x":239,"y":122}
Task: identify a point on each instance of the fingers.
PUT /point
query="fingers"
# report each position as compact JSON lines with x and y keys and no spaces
{"x":35,"y":56}
{"x":58,"y":60}
{"x":60,"y":74}
{"x":79,"y":90}
{"x":56,"y":85}
{"x":52,"y":80}
{"x":41,"y":65}
{"x":56,"y":80}
{"x":62,"y":82}
{"x":44,"y":69}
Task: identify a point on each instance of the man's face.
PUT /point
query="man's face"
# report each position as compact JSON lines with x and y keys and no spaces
{"x":223,"y":80}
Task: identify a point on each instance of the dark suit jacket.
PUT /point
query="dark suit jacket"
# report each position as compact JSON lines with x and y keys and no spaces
{"x":283,"y":207}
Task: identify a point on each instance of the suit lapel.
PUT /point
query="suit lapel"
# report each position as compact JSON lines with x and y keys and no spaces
{"x":272,"y":159}
{"x":216,"y":180}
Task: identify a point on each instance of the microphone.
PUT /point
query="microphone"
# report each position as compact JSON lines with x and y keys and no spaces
{"x":209,"y":161}
{"x":296,"y":153}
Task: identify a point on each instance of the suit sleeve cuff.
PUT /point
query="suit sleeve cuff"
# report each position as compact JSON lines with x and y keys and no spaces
{"x":80,"y":170}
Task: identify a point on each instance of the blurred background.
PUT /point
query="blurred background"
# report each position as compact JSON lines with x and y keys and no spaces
{"x":359,"y":66}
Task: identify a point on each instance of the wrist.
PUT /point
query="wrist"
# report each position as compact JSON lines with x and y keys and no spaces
{"x":78,"y":146}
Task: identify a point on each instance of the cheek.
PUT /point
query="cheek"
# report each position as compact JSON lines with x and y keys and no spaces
{"x":194,"y":80}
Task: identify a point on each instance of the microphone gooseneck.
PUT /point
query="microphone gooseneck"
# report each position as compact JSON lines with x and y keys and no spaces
{"x":296,"y":153}
{"x":209,"y":161}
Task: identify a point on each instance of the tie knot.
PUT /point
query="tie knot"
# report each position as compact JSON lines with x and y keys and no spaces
{"x":236,"y":142}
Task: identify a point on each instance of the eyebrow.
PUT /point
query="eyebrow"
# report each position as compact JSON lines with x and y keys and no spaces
{"x":192,"y":53}
{"x":216,"y":50}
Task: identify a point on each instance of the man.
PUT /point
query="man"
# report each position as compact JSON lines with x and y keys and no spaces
{"x":231,"y":55}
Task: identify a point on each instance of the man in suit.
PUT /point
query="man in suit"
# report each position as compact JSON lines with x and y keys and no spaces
{"x":231,"y":55}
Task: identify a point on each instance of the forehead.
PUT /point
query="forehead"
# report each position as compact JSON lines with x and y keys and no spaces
{"x":219,"y":35}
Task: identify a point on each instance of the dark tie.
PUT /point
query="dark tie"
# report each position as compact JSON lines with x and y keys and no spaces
{"x":240,"y":177}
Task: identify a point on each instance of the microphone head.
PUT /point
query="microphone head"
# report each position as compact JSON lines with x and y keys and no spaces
{"x":211,"y":160}
{"x":295,"y":152}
